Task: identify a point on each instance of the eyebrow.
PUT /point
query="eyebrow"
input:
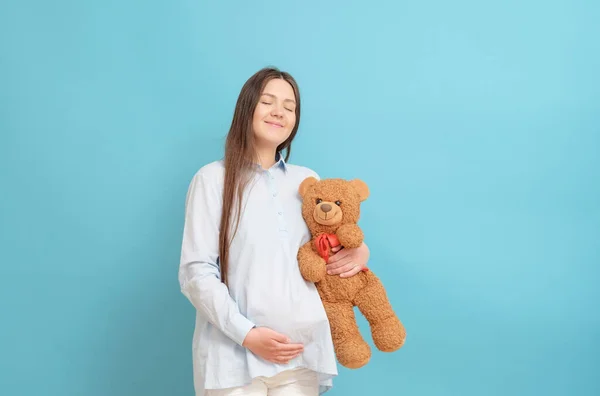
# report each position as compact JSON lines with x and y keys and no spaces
{"x":273,"y":96}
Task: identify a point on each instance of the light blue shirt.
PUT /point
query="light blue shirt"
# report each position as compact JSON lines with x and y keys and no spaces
{"x":265,"y":284}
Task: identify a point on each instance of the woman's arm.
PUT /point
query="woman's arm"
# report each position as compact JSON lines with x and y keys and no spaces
{"x":199,"y":275}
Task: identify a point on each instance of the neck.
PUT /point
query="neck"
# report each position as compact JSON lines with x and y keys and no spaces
{"x":266,"y":157}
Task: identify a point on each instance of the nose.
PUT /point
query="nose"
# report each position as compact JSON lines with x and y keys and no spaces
{"x":325,"y":208}
{"x":277,"y":111}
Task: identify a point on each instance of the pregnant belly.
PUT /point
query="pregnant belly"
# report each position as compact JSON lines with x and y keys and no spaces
{"x":296,"y":312}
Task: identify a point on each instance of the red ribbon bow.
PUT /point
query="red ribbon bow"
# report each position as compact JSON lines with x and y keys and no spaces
{"x":324,"y":242}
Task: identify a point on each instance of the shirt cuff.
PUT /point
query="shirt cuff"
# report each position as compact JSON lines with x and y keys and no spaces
{"x":240,"y":327}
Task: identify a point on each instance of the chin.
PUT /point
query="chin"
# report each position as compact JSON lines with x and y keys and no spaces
{"x":264,"y":144}
{"x":270,"y":141}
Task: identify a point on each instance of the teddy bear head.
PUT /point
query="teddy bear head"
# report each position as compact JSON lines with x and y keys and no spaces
{"x":330,"y":203}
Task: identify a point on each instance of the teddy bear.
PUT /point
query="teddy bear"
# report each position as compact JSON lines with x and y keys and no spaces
{"x":331,"y":209}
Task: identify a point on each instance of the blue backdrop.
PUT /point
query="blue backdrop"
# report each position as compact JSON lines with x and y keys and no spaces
{"x":476,"y":125}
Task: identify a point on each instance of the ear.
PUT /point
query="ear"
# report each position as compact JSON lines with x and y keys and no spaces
{"x":361,"y":188}
{"x":305,"y":185}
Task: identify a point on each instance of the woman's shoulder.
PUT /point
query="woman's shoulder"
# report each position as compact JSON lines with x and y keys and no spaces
{"x":302,"y":172}
{"x":214,"y":168}
{"x":212,"y":172}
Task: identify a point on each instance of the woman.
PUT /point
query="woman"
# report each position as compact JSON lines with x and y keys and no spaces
{"x":260,"y":328}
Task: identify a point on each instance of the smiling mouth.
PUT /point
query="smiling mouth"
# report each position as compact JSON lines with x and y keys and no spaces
{"x":274,"y":125}
{"x":326,"y":218}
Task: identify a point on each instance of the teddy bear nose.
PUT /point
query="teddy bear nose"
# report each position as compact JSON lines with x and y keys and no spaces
{"x":325,"y":208}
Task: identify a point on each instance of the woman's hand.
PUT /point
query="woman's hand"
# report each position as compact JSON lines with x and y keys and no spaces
{"x":348,"y":262}
{"x":271,"y":346}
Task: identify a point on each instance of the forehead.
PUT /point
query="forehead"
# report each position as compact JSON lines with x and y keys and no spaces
{"x":279,"y":88}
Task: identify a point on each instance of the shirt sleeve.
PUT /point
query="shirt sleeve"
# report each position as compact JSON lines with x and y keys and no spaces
{"x":314,"y":174}
{"x":199,"y":274}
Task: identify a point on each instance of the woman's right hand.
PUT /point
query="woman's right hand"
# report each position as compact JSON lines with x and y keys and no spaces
{"x":271,"y":346}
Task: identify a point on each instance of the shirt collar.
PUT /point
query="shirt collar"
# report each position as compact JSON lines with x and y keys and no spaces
{"x":280,"y":161}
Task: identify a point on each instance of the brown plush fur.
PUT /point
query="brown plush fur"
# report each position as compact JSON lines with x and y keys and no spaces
{"x":332,"y":206}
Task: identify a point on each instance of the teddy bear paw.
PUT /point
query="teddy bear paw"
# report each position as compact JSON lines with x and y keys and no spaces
{"x":389,"y":334}
{"x":353,"y":353}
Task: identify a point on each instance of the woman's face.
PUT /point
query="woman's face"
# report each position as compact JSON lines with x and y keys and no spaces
{"x":275,"y":114}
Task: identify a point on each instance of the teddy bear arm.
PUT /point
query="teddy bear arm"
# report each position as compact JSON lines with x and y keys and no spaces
{"x":312,"y":266}
{"x":350,"y":236}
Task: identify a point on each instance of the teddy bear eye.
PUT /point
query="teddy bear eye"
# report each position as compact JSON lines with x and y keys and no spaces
{"x":319,"y":200}
{"x":338,"y":203}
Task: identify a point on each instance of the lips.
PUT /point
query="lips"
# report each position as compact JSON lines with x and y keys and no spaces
{"x":274,"y":124}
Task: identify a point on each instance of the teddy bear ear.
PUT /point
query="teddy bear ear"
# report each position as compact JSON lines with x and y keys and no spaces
{"x":361,"y":188}
{"x":305,"y":185}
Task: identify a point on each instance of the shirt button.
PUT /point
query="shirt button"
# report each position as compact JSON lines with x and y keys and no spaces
{"x":274,"y":194}
{"x":279,"y":213}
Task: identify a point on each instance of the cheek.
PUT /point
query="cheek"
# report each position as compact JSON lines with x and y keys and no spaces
{"x":257,"y":120}
{"x":259,"y":114}
{"x":291,"y":122}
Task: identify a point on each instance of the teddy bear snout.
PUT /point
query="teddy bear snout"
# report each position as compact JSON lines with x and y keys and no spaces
{"x":326,"y":208}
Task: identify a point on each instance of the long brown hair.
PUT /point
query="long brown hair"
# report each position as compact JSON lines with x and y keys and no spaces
{"x":241,"y":156}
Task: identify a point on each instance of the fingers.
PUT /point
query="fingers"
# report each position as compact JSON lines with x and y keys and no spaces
{"x":285,"y":357}
{"x":273,"y":346}
{"x":338,"y":256}
{"x":339,"y":262}
{"x":279,"y":337}
{"x":341,"y":266}
{"x":282,"y":353}
{"x":339,"y":259}
{"x":336,"y":248}
{"x":282,"y":360}
{"x":351,"y":272}
{"x":289,"y":355}
{"x":292,"y":348}
{"x":280,"y":344}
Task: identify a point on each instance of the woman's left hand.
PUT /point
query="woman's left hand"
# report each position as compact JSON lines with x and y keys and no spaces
{"x":348,"y":262}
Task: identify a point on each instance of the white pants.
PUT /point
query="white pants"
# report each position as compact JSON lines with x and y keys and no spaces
{"x":299,"y":382}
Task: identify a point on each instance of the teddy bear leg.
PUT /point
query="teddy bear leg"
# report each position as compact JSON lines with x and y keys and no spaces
{"x":350,"y":348}
{"x":387,"y":330}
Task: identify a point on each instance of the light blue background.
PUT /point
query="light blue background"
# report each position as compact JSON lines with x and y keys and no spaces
{"x":476,"y":125}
